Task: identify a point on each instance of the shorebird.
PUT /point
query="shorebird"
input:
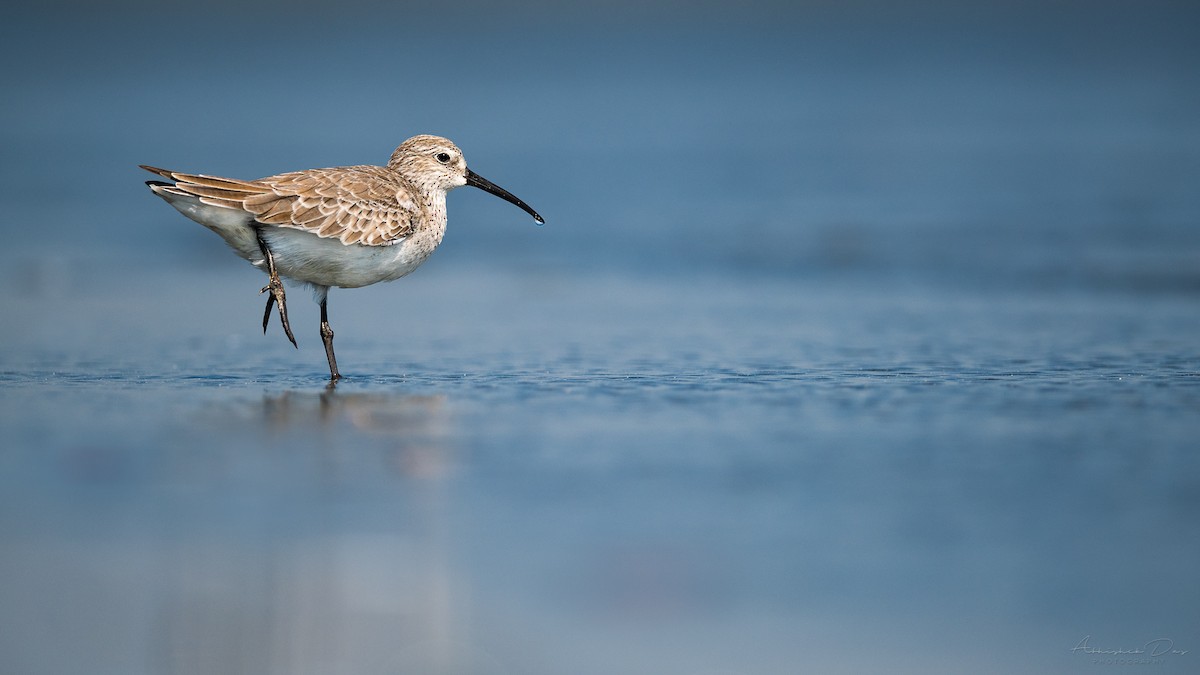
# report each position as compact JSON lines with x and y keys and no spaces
{"x":346,"y":226}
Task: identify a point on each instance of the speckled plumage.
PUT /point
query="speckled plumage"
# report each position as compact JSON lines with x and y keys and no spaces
{"x":346,"y":226}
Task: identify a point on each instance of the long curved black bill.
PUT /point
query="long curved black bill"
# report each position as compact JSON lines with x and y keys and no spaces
{"x":486,"y":185}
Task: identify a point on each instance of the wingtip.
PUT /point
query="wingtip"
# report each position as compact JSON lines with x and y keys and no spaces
{"x":155,"y":170}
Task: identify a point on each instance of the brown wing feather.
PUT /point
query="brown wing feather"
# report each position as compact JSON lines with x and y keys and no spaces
{"x":368,"y":205}
{"x":356,"y":204}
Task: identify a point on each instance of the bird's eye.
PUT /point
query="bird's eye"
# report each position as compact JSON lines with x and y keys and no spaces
{"x":442,"y":157}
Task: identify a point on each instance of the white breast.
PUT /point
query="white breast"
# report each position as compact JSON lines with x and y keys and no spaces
{"x":304,"y":256}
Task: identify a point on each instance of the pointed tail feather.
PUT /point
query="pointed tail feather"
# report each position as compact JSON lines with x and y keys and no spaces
{"x":155,"y":170}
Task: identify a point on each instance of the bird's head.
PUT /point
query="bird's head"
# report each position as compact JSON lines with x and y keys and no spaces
{"x":436,"y":163}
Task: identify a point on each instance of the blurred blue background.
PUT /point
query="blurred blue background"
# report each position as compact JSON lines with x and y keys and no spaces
{"x":861,"y":337}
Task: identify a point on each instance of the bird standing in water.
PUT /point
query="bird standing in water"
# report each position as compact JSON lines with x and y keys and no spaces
{"x":347,"y":226}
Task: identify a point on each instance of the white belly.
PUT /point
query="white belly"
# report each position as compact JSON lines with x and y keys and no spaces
{"x":304,"y":256}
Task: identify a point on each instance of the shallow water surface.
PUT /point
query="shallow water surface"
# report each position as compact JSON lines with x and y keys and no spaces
{"x":771,"y":473}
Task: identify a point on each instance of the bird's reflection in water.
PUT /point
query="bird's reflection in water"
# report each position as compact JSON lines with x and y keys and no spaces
{"x":415,"y":431}
{"x":348,"y":568}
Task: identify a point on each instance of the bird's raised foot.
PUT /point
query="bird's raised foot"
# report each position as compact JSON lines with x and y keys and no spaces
{"x":276,"y":287}
{"x":267,"y":312}
{"x":277,"y":297}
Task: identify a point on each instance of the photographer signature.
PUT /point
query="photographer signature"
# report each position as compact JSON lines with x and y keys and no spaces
{"x":1153,"y":649}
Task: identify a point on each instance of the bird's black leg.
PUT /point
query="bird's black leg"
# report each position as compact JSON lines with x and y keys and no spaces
{"x":327,"y":338}
{"x":276,"y":288}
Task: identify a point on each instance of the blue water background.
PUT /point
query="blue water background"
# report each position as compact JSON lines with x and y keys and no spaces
{"x":860,"y":338}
